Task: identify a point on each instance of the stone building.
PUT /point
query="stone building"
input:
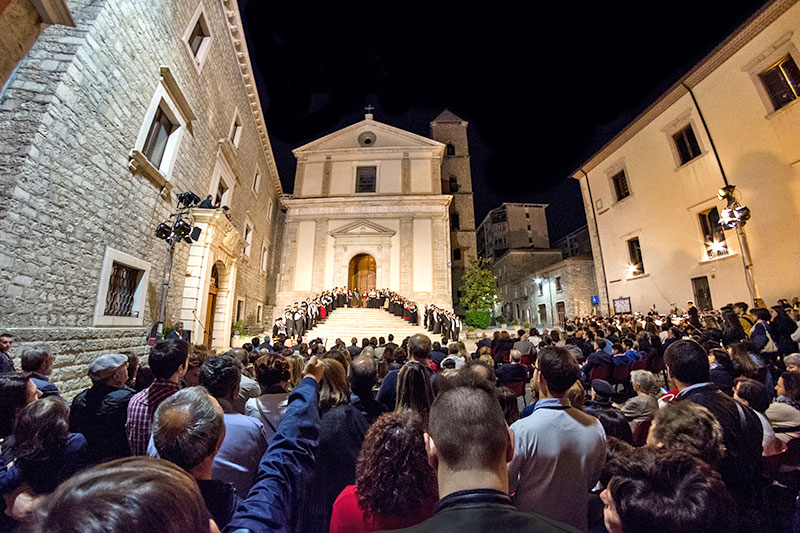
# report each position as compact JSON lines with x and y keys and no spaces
{"x":650,"y":194}
{"x":103,"y":124}
{"x":575,"y":243}
{"x":368,"y":212}
{"x":512,"y":226}
{"x":456,"y":175}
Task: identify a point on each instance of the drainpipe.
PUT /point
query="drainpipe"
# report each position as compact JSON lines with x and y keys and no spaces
{"x":599,"y":245}
{"x":747,"y":260}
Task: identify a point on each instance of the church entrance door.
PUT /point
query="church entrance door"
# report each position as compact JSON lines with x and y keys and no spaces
{"x":213,"y":286}
{"x":362,"y":273}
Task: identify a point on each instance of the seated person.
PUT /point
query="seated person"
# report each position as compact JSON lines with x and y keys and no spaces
{"x":618,"y":355}
{"x":598,"y":358}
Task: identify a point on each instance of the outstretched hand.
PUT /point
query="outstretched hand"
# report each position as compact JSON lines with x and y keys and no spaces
{"x":314,"y":368}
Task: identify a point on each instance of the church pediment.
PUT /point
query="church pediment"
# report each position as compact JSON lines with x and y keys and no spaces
{"x":369,"y":135}
{"x":363,"y":227}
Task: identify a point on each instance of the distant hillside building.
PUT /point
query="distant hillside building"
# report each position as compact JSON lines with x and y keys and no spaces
{"x":512,"y":226}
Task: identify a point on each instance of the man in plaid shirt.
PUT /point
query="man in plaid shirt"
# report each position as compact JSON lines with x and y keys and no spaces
{"x":168,"y":360}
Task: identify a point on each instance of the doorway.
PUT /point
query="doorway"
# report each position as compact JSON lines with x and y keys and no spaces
{"x":211,"y":306}
{"x":702,"y":293}
{"x":561,"y":311}
{"x":542,"y":314}
{"x":362,"y":273}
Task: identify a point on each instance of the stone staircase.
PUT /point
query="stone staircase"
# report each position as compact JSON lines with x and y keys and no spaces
{"x":346,"y":323}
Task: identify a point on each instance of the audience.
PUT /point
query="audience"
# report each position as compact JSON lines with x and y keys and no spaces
{"x":688,"y":427}
{"x":644,"y":405}
{"x":272,"y":375}
{"x":414,"y":391}
{"x":38,"y":360}
{"x":248,"y":387}
{"x":16,"y":391}
{"x":784,"y":413}
{"x":363,"y":376}
{"x":755,"y":395}
{"x":419,"y":348}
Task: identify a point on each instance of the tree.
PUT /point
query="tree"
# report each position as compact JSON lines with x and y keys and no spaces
{"x":480,"y":292}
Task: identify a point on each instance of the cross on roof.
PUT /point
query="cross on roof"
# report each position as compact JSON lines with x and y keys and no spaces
{"x":369,"y":109}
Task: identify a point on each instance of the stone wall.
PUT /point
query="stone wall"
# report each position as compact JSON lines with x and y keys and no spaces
{"x":19,"y":27}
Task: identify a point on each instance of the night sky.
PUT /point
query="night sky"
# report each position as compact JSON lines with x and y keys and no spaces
{"x":542,"y":90}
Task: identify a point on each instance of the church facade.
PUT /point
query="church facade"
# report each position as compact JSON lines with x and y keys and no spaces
{"x":368,"y":212}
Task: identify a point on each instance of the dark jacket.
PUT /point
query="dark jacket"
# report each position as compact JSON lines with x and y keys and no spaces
{"x":741,"y":434}
{"x":273,"y":502}
{"x":483,"y":510}
{"x":369,"y":407}
{"x":511,"y":372}
{"x":99,"y":413}
{"x":387,"y":394}
{"x":221,"y":500}
{"x":45,"y":385}
{"x":6,"y":364}
{"x":782,"y":329}
{"x":599,"y":358}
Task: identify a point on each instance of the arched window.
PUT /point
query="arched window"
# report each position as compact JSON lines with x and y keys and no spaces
{"x":450,"y":150}
{"x":453,"y":184}
{"x":454,"y":221}
{"x":457,"y":254}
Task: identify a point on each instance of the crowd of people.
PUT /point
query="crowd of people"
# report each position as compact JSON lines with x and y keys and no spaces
{"x":418,"y":435}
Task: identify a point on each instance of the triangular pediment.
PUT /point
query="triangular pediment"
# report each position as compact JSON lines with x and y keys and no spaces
{"x":363,"y":227}
{"x":381,"y":136}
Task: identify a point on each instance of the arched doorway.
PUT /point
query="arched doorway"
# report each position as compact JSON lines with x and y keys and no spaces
{"x":211,"y":306}
{"x":362,"y":272}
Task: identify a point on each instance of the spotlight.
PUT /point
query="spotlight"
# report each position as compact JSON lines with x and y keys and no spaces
{"x":726,"y":193}
{"x":196,"y":233}
{"x":538,"y":281}
{"x":188,"y":199}
{"x":163,"y":231}
{"x":182,"y":228}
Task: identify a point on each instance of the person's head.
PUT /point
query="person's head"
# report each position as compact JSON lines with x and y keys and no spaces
{"x":220,"y":375}
{"x":452,"y":349}
{"x":644,"y":381}
{"x":130,"y":494}
{"x":41,"y":431}
{"x":414,"y":391}
{"x":168,"y":358}
{"x":272,"y":369}
{"x":179,"y":326}
{"x":395,"y":439}
{"x":690,"y":428}
{"x":658,"y":490}
{"x":467,"y":432}
{"x":368,"y":351}
{"x":419,"y":347}
{"x":687,"y":362}
{"x":617,"y":349}
{"x":576,"y":395}
{"x":132,"y":366}
{"x":363,"y":374}
{"x":188,"y":428}
{"x":788,"y":386}
{"x":333,"y":389}
{"x":740,"y":308}
{"x":615,"y":424}
{"x":759,"y":313}
{"x":364,"y":342}
{"x":238,"y":353}
{"x":776,"y":311}
{"x":197,"y":356}
{"x":792,"y":362}
{"x":508,"y":403}
{"x":5,"y":342}
{"x":752,"y":393}
{"x":481,"y":368}
{"x":516,"y":356}
{"x":602,"y":391}
{"x":390,"y":337}
{"x":16,"y":391}
{"x":599,"y":344}
{"x":37,"y":358}
{"x":255,"y":342}
{"x":556,"y":370}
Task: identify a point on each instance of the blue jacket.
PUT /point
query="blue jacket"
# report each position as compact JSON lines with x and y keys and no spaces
{"x":285,"y":468}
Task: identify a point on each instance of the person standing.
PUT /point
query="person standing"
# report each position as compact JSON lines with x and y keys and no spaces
{"x":6,"y":363}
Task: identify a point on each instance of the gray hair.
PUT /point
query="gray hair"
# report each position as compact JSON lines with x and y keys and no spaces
{"x":186,"y":427}
{"x":516,"y":356}
{"x":33,"y":357}
{"x":792,"y":359}
{"x":645,"y":380}
{"x":367,"y":351}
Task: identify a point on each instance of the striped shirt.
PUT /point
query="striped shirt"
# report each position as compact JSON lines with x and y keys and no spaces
{"x":141,"y":410}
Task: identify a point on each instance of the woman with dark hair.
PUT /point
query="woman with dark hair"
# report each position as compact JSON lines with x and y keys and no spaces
{"x":272,"y":375}
{"x":100,"y":499}
{"x":761,"y":334}
{"x":508,"y":403}
{"x":782,"y":329}
{"x":732,"y":330}
{"x":784,"y":413}
{"x":721,"y":370}
{"x":16,"y":391}
{"x":414,"y":391}
{"x":395,"y":486}
{"x":342,"y":430}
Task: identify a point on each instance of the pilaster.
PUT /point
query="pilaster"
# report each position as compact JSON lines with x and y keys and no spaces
{"x":406,"y":255}
{"x":320,"y":247}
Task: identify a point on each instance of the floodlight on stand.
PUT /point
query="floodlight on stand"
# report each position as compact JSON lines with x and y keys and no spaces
{"x":182,"y":228}
{"x":188,"y":199}
{"x":726,"y":193}
{"x":163,"y":231}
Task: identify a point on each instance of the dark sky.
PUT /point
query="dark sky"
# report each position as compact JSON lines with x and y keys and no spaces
{"x":542,"y":90}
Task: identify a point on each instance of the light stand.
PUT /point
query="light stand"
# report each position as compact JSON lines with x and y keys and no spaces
{"x":735,"y":216}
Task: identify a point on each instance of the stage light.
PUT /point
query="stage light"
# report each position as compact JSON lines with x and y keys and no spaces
{"x":632,"y":269}
{"x":182,"y":228}
{"x":188,"y":199}
{"x":726,"y":193}
{"x":163,"y":231}
{"x":717,"y":247}
{"x":538,"y":281}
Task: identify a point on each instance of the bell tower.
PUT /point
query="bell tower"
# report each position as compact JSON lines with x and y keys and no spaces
{"x":451,"y":131}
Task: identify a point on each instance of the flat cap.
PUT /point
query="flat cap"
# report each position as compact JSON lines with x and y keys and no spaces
{"x":602,"y":388}
{"x":105,"y":365}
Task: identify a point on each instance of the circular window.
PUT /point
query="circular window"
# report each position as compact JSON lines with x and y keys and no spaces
{"x":366,"y":139}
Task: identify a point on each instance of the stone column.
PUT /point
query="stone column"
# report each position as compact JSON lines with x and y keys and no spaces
{"x":406,"y":256}
{"x":326,"y":176}
{"x":320,"y":249}
{"x":298,"y":178}
{"x":405,"y":187}
{"x":289,"y":257}
{"x":436,"y":176}
{"x":441,"y":256}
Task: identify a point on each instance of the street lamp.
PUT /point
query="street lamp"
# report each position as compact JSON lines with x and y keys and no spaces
{"x":735,"y":216}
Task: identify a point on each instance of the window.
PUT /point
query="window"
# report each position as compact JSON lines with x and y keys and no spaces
{"x":713,"y":236}
{"x":541,"y":290}
{"x":197,"y":37}
{"x":239,"y":310}
{"x":248,"y":236}
{"x":530,"y":240}
{"x":264,"y":252}
{"x":558,"y":283}
{"x":259,"y":314}
{"x":455,"y":222}
{"x":122,"y":290}
{"x":269,"y":209}
{"x":498,"y":216}
{"x":450,"y":149}
{"x":453,"y":183}
{"x":686,"y":144}
{"x":527,"y":215}
{"x":158,"y":136}
{"x":782,"y":82}
{"x":636,"y":265}
{"x":365,"y":179}
{"x":257,"y":182}
{"x":457,"y":254}
{"x":620,"y":182}
{"x":236,"y":131}
{"x":222,"y":188}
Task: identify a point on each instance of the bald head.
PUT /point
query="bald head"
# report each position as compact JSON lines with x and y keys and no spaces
{"x":238,"y":353}
{"x":363,"y":373}
{"x":419,"y":346}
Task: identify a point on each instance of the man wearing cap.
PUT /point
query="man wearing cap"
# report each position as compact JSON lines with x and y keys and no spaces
{"x":100,"y":412}
{"x":602,"y":392}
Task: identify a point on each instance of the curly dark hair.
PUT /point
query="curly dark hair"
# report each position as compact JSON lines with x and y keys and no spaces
{"x":271,"y":369}
{"x":393,"y":476}
{"x":41,"y":431}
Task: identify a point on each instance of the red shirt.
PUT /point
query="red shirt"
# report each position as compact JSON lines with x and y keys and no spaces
{"x":348,"y":517}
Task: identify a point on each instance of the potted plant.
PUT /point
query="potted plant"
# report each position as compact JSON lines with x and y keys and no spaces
{"x":500,"y":320}
{"x":471,"y":333}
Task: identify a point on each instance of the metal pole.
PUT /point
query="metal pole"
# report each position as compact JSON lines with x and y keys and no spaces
{"x":165,"y":286}
{"x":550,"y":290}
{"x":748,"y":265}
